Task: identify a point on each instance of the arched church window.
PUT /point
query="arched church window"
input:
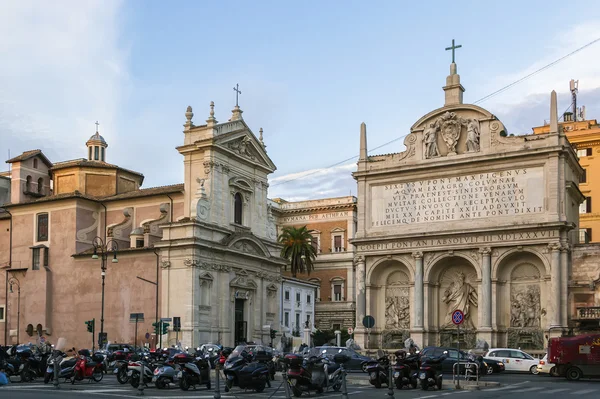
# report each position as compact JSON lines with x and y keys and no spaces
{"x":90,"y":153}
{"x":35,"y":163}
{"x":28,"y":184}
{"x":40,"y":185}
{"x":102,"y":154}
{"x":96,"y":153}
{"x":237,"y":208}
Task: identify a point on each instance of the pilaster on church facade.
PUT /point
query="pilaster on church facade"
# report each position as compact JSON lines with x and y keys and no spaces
{"x":466,"y":218}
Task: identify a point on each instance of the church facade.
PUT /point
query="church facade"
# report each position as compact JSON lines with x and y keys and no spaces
{"x":223,"y":276}
{"x":466,"y":218}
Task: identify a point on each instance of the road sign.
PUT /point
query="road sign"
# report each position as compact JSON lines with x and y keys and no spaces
{"x":167,"y":319}
{"x":369,"y":321}
{"x":350,"y":330}
{"x":458,"y":317}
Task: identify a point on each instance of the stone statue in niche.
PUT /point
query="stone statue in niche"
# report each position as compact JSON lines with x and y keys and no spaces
{"x":460,"y":295}
{"x":451,"y":126}
{"x":430,"y":140}
{"x":397,"y":312}
{"x":473,"y":135}
{"x":525,"y":306}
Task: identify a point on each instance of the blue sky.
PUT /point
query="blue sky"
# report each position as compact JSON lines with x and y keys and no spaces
{"x":310,"y":72}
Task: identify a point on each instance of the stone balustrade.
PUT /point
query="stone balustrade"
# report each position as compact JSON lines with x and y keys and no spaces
{"x":589,"y":313}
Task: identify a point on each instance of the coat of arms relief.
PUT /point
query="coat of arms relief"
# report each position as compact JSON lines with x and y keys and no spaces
{"x":450,"y":127}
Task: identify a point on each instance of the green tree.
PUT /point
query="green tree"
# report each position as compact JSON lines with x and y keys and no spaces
{"x":298,"y":249}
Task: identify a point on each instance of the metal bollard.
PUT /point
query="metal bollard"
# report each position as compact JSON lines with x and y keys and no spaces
{"x":141,"y":384}
{"x":286,"y":384}
{"x":344,"y":387}
{"x":390,"y":393}
{"x":56,"y":370}
{"x":217,"y":394}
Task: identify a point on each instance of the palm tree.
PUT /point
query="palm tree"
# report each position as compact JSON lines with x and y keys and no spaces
{"x":298,"y":249}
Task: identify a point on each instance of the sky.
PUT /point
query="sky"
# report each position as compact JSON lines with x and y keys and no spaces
{"x":310,"y":72}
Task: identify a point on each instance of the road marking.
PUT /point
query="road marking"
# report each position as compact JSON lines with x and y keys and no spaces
{"x":513,"y":386}
{"x":530,"y":389}
{"x":583,"y":392}
{"x":555,"y":390}
{"x":428,"y":396}
{"x":123,"y":390}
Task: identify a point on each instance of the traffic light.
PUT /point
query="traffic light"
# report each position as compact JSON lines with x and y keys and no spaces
{"x":273,"y":332}
{"x":90,"y":325}
{"x":165,"y":327}
{"x":156,"y":327}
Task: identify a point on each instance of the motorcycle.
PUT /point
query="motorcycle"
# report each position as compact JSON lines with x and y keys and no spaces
{"x":240,"y":370}
{"x":307,"y":374}
{"x":118,"y":362}
{"x":378,"y":370}
{"x":140,"y":372}
{"x":165,"y":374}
{"x":88,"y":366}
{"x":193,"y":371}
{"x":430,"y":372}
{"x":336,"y":370}
{"x":406,"y":370}
{"x":66,"y":366}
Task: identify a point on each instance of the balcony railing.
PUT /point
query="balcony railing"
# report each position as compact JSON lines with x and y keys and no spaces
{"x":589,"y":313}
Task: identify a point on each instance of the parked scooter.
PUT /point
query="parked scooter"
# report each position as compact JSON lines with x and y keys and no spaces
{"x":140,"y":371}
{"x":240,"y":370}
{"x":65,"y":363}
{"x":430,"y":372}
{"x":193,"y":370}
{"x":308,"y":374}
{"x":166,"y":374}
{"x":406,"y":370}
{"x":378,"y":370}
{"x":88,"y":366}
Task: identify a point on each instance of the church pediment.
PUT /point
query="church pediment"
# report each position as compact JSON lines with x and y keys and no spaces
{"x":247,"y":243}
{"x":246,"y":146}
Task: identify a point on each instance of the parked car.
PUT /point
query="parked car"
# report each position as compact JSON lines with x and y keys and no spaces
{"x":356,"y":359}
{"x":493,"y":366}
{"x":514,"y":360}
{"x":544,"y":367}
{"x":453,"y":357}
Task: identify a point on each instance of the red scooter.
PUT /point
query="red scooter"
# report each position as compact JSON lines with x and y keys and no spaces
{"x":88,"y":366}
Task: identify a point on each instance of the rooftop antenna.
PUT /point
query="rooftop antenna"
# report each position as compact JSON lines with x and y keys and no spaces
{"x":10,"y":164}
{"x":574,"y":85}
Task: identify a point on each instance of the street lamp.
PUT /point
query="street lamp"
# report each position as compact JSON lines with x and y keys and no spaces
{"x":103,"y":249}
{"x":11,"y":282}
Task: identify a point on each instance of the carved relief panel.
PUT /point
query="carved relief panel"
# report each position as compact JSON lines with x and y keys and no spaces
{"x":397,"y":301}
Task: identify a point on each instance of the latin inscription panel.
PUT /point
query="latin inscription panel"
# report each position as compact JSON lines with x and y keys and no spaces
{"x":513,"y":192}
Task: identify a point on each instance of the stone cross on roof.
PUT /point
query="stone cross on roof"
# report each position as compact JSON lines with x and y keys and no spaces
{"x":237,"y":93}
{"x":96,"y":126}
{"x":453,"y":48}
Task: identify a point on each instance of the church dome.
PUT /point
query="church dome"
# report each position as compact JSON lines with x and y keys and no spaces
{"x":97,"y":137}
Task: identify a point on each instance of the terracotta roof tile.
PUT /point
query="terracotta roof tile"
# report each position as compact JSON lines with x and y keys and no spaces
{"x":146,"y":192}
{"x":29,"y":154}
{"x":91,"y":164}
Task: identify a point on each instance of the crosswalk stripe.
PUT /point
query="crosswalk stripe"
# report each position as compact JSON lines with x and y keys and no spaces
{"x":530,"y":389}
{"x":583,"y":392}
{"x":556,"y":390}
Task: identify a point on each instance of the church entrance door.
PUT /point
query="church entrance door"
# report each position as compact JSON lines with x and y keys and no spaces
{"x":240,"y":325}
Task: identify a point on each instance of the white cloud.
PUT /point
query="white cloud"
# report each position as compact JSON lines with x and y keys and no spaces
{"x":315,"y":183}
{"x":61,"y":71}
{"x":582,"y":66}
